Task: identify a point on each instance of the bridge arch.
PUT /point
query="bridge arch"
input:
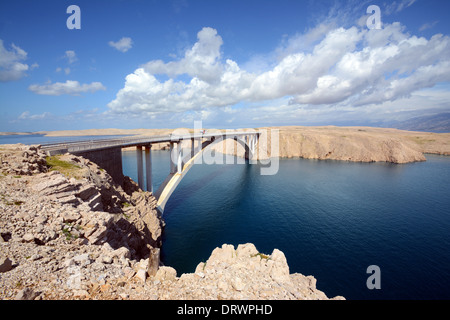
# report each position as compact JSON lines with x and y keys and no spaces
{"x":169,"y":185}
{"x":107,"y":154}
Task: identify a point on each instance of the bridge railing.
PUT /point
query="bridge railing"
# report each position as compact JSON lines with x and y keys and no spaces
{"x":102,"y":143}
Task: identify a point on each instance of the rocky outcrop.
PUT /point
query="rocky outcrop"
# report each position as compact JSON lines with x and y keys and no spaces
{"x":229,"y":273}
{"x":351,"y":145}
{"x":242,"y":273}
{"x":52,"y":222}
{"x":57,"y":187}
{"x":22,"y":160}
{"x":90,"y":207}
{"x":333,"y":143}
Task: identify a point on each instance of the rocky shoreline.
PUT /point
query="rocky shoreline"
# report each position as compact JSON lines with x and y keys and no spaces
{"x":67,"y":231}
{"x":355,"y":144}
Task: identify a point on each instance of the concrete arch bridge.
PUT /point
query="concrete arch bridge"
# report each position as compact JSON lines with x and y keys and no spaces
{"x":107,"y":153}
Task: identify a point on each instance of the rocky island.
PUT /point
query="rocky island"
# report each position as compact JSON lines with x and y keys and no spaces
{"x":67,"y":231}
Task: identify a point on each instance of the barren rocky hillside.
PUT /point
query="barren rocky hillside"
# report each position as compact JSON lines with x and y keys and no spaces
{"x":359,"y":144}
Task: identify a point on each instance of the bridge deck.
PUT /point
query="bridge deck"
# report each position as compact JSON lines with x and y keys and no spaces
{"x":78,"y":146}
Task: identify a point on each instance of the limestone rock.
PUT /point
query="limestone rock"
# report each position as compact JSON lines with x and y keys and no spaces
{"x":86,"y":191}
{"x":28,"y":237}
{"x":26,"y":294}
{"x":237,"y":284}
{"x":166,"y":273}
{"x":153,"y":263}
{"x":82,"y":260}
{"x":70,"y":216}
{"x":245,"y":273}
{"x":280,"y":269}
{"x":121,"y":253}
{"x":246,"y":250}
{"x":224,"y":254}
{"x":141,"y":274}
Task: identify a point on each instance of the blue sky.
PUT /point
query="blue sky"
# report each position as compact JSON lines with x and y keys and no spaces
{"x":231,"y":64}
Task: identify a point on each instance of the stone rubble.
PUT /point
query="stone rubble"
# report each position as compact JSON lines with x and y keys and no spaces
{"x":88,"y":238}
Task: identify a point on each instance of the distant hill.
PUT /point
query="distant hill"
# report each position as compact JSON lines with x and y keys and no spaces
{"x":434,"y":123}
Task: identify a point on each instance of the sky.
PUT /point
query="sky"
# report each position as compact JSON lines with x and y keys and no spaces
{"x":230,"y":64}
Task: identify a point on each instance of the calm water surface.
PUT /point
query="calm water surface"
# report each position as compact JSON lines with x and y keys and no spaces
{"x":332,"y":220}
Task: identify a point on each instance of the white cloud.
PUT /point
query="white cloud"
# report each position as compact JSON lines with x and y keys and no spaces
{"x":123,"y":45}
{"x":71,"y":56}
{"x":84,"y":115}
{"x":201,"y":61}
{"x":66,"y":70}
{"x":69,"y":87}
{"x":398,"y":6}
{"x":11,"y":67}
{"x":340,"y":67}
{"x":429,"y":25}
{"x":27,"y":116}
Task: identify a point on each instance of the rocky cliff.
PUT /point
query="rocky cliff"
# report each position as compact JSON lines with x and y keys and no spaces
{"x":359,"y":144}
{"x":67,"y":231}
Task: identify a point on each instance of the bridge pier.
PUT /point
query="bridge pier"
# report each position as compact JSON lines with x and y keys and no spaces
{"x":176,"y":160}
{"x":109,"y":159}
{"x":148,"y":167}
{"x":173,"y":168}
{"x":179,"y":160}
{"x":140,"y":167}
{"x":253,"y":146}
{"x":250,"y":142}
{"x":247,"y":148}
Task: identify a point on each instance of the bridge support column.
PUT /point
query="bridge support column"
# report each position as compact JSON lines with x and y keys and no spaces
{"x":148,"y":167}
{"x":192,"y":147}
{"x":140,"y":167}
{"x":110,"y":159}
{"x":172,"y":164}
{"x":247,"y":148}
{"x":175,"y":157}
{"x":253,"y":141}
{"x":179,"y":163}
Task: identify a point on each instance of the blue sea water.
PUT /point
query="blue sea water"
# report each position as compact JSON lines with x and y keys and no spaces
{"x":332,"y":219}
